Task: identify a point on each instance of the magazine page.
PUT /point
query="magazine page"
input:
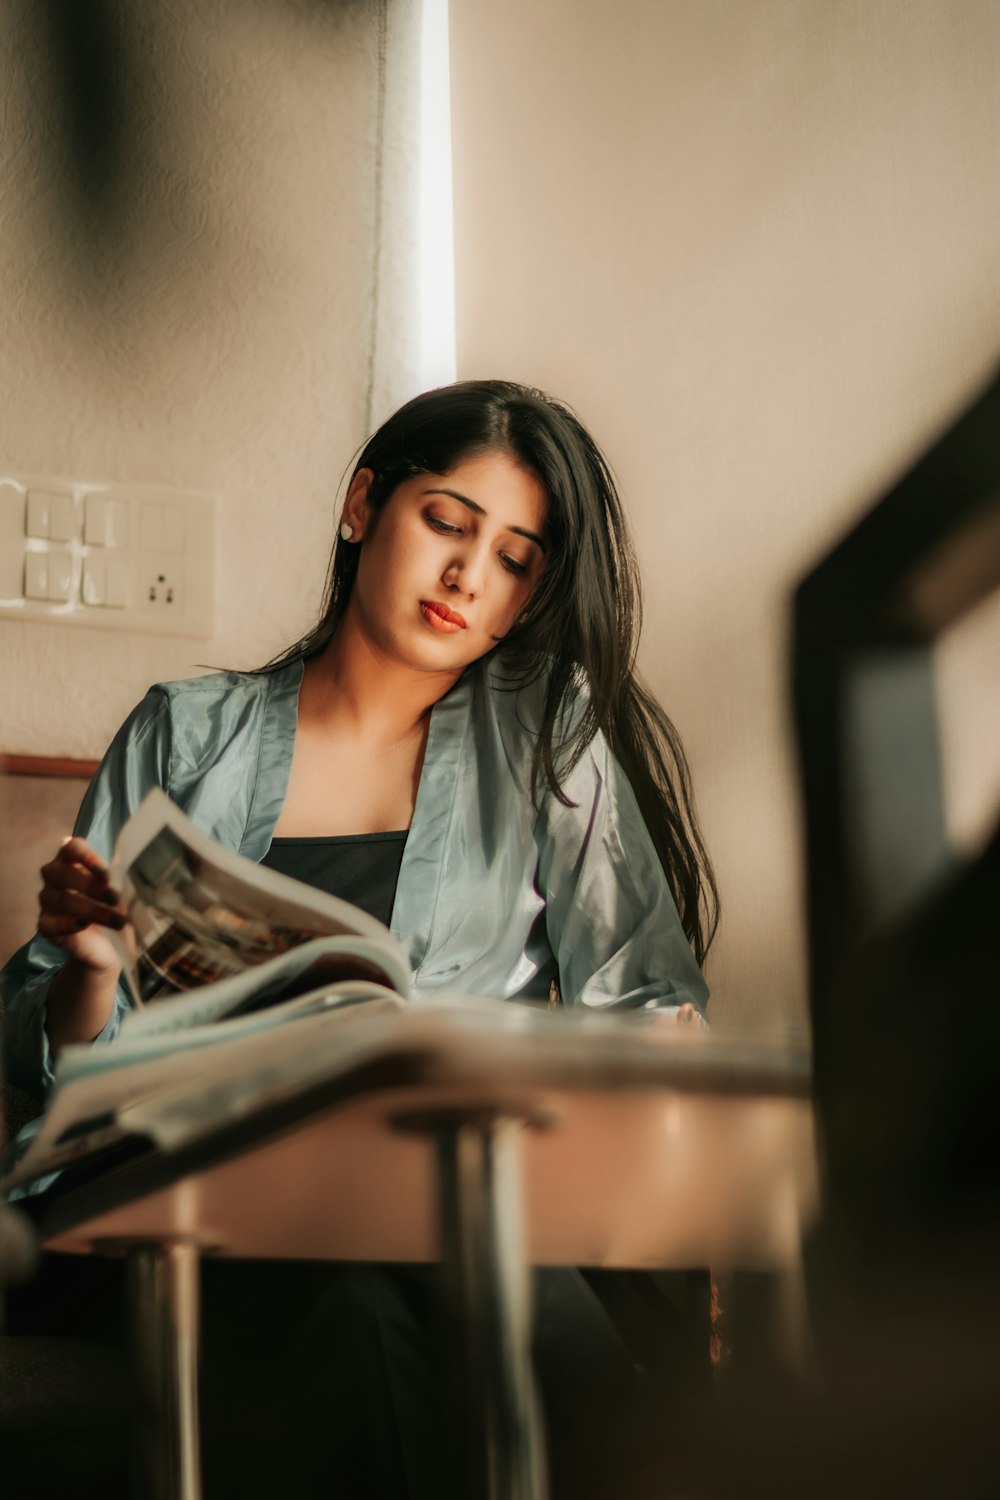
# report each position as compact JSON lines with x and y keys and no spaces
{"x":168,"y":1093}
{"x":309,"y":1053}
{"x":171,"y":1094}
{"x":94,"y":1109}
{"x":142,"y":1045}
{"x":322,"y":962}
{"x":200,"y":913}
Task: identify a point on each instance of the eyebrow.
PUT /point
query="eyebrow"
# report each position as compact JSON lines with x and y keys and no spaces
{"x":532,"y":536}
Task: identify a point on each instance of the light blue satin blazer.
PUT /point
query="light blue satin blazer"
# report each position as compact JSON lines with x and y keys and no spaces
{"x":495,"y":897}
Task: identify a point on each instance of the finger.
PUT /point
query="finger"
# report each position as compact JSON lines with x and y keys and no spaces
{"x":74,"y":850}
{"x":67,"y":903}
{"x":75,"y":877}
{"x":57,"y":928}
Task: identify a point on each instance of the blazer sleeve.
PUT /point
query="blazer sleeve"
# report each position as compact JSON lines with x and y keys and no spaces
{"x":137,"y":760}
{"x":611,"y":919}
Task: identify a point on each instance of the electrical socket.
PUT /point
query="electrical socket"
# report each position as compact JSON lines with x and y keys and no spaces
{"x":161,"y":585}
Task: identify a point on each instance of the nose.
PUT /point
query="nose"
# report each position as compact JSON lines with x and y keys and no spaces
{"x":466,"y":573}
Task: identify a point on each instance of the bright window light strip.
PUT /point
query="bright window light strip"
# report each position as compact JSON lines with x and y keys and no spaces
{"x":437,"y":255}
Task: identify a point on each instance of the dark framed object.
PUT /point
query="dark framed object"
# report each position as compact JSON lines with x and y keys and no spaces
{"x":865,"y":621}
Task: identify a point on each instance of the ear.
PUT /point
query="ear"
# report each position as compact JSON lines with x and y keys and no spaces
{"x":356,"y":512}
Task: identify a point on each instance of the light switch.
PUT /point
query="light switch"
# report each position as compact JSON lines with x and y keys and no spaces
{"x":151,"y":528}
{"x":60,"y":575}
{"x":116,"y":524}
{"x":38,"y":513}
{"x":172,"y":528}
{"x":36,"y":575}
{"x":62,"y":518}
{"x":94,"y":580}
{"x":95,"y":509}
{"x":116,"y":581}
{"x":105,"y":522}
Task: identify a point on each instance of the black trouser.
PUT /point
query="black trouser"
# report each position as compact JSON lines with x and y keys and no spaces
{"x":338,"y":1380}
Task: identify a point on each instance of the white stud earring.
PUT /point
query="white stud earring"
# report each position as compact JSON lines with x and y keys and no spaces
{"x":347,"y":531}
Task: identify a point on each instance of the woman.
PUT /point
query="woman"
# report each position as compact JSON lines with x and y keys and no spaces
{"x":459,"y":746}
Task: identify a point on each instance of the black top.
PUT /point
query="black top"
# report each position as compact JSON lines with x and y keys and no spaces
{"x":362,"y":868}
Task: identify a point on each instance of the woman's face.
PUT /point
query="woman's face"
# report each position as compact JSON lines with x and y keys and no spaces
{"x":449,"y":562}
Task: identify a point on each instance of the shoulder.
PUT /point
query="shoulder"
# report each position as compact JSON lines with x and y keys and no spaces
{"x":193,"y":694}
{"x":189,"y":699}
{"x":201,"y":716}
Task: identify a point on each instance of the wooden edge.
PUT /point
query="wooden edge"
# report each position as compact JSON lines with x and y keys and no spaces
{"x":47,"y":765}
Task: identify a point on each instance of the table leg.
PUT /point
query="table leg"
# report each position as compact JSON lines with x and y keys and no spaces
{"x":163,"y":1308}
{"x":480,"y":1204}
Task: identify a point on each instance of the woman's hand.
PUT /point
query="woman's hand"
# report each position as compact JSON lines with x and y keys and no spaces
{"x":76,"y":905}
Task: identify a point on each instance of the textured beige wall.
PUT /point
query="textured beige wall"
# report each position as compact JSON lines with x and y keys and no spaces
{"x":757,"y":246}
{"x":217,"y":336}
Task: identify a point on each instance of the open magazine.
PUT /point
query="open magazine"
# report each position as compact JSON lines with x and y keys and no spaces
{"x":203,"y":917}
{"x":220,"y":955}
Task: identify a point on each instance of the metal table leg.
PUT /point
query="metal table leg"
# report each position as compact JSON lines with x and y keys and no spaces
{"x":480,"y":1207}
{"x":163,"y":1307}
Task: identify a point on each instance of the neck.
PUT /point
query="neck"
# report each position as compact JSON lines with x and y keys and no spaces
{"x":355,"y":686}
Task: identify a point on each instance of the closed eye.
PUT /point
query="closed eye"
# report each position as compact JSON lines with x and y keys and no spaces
{"x":443,"y":526}
{"x":512,"y":564}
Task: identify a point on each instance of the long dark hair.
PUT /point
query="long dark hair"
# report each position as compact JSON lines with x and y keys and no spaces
{"x":580,"y":627}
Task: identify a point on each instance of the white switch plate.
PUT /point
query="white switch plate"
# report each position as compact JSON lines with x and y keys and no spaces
{"x":102,"y":562}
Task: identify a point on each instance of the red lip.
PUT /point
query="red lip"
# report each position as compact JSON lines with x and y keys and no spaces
{"x":440,"y":616}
